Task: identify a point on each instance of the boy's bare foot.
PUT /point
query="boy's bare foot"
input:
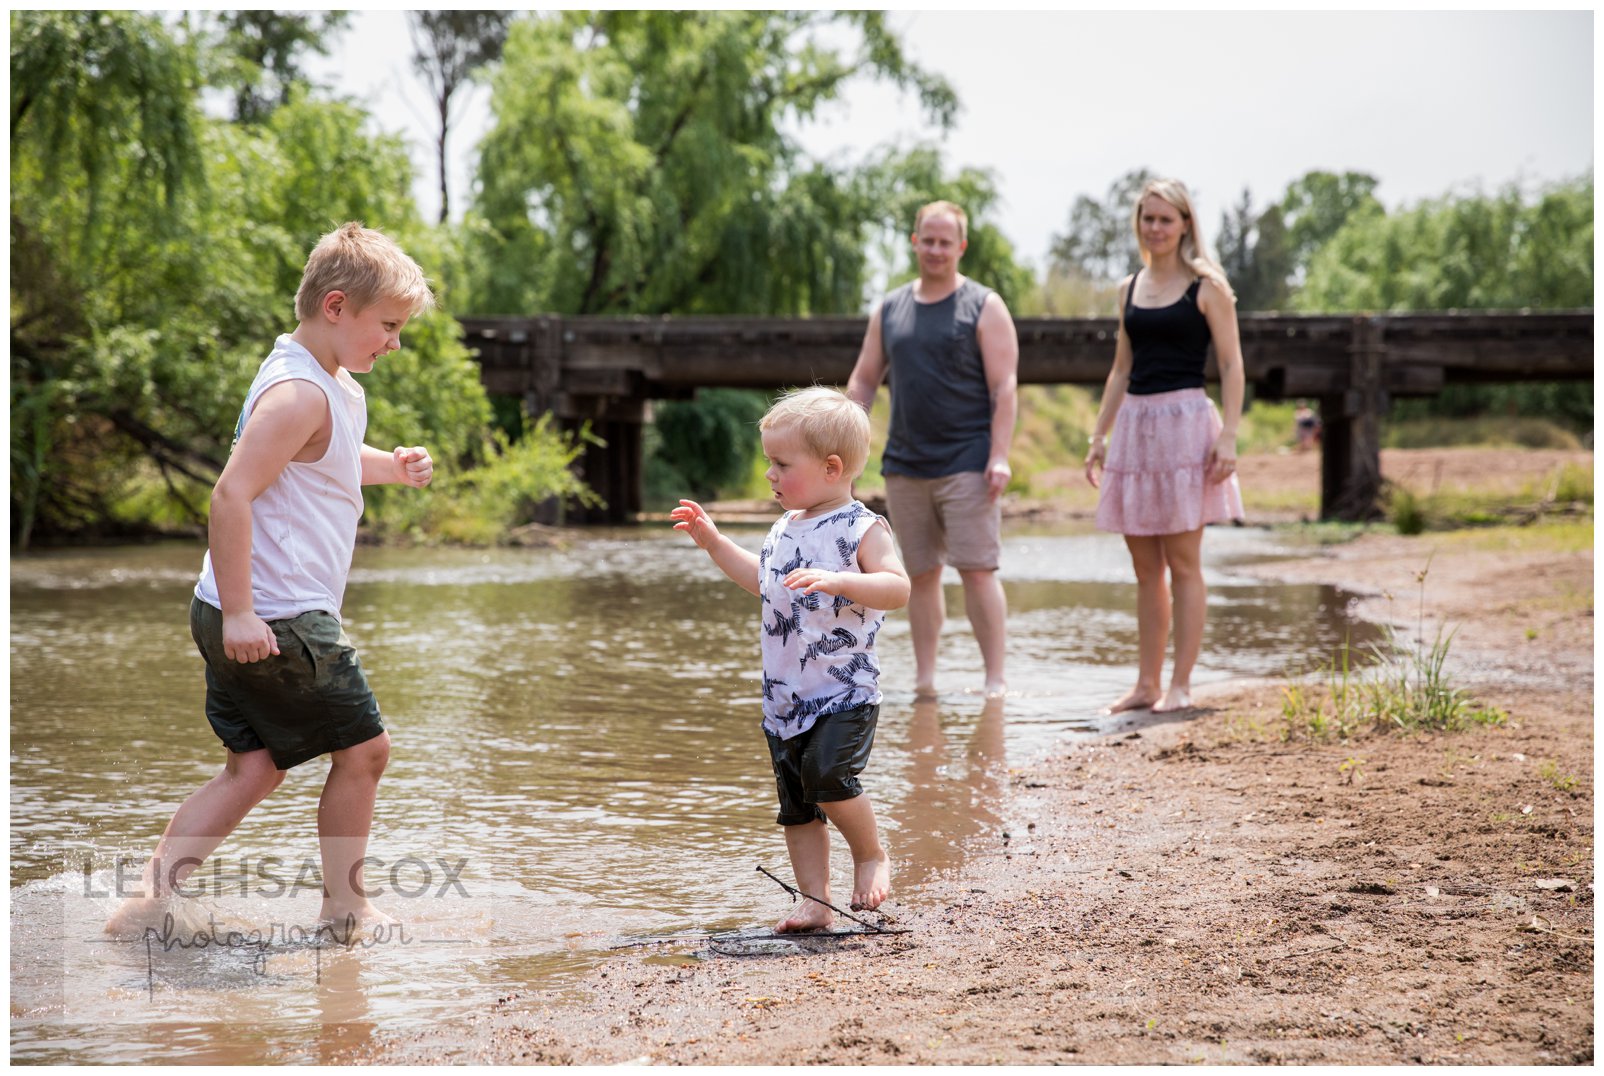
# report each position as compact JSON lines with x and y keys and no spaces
{"x":357,"y":919}
{"x":810,"y":916}
{"x":1177,"y":698}
{"x":871,"y":883}
{"x":1137,"y":699}
{"x":135,"y":914}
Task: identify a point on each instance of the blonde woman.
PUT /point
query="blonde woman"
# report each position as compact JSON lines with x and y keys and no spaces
{"x":1171,"y":467}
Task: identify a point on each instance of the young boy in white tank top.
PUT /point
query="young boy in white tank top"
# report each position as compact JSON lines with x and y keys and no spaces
{"x":283,"y":683}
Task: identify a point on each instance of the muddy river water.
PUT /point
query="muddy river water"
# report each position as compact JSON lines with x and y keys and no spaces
{"x":576,"y":764}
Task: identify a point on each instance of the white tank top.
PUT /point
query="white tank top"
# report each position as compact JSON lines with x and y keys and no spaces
{"x":303,"y":526}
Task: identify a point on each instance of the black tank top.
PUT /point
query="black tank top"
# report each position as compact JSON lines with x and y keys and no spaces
{"x":1169,"y":344}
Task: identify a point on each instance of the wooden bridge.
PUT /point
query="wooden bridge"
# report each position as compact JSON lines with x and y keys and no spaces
{"x":604,"y":370}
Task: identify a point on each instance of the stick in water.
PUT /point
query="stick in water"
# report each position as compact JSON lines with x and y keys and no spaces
{"x":798,"y":893}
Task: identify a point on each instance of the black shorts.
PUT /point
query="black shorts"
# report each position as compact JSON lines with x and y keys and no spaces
{"x":822,"y":764}
{"x":310,"y":698}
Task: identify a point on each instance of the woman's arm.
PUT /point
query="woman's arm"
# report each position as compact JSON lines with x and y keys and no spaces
{"x":1113,"y":391}
{"x":1219,"y":309}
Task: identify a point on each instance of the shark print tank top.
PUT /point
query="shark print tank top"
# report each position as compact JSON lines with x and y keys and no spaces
{"x":818,"y":649}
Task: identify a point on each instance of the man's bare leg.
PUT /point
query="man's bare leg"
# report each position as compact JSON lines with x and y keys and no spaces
{"x":987,"y":607}
{"x":927,"y":611}
{"x":1152,"y":623}
{"x":344,"y":819}
{"x":871,"y":867}
{"x":200,"y":824}
{"x":809,"y":848}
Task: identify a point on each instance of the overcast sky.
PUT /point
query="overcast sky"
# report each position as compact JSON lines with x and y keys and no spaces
{"x":1060,"y":104}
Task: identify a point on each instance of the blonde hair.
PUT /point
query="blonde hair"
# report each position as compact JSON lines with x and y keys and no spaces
{"x":1193,"y":251}
{"x":364,"y":264}
{"x":934,"y":208}
{"x":829,"y":423}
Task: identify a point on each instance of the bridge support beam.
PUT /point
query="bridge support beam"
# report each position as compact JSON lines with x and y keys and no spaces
{"x":1350,"y":449}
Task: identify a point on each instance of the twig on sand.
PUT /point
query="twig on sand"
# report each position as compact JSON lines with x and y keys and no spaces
{"x":795,"y":892}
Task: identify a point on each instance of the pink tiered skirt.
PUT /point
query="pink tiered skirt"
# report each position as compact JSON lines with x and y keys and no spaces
{"x":1153,"y":480}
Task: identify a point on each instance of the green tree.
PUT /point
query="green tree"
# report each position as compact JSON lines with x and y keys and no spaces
{"x":641,"y":162}
{"x":1475,"y":251}
{"x":448,"y":46}
{"x":1252,"y":249}
{"x":1099,"y":243}
{"x":261,"y":53}
{"x":144,"y":297}
{"x":1316,"y":206}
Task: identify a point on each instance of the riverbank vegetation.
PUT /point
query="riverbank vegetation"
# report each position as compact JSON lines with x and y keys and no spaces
{"x":169,"y":174}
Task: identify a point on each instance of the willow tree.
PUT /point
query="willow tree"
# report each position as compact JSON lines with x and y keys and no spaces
{"x":643,"y":162}
{"x":155,"y":255}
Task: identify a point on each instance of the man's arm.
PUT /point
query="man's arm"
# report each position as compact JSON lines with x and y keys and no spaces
{"x":999,"y":354}
{"x":871,"y":366}
{"x":286,"y":418}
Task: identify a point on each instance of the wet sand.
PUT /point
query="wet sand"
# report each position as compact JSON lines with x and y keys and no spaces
{"x":1193,"y":889}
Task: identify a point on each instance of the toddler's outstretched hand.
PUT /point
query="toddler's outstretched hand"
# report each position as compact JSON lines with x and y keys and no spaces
{"x":693,"y":519}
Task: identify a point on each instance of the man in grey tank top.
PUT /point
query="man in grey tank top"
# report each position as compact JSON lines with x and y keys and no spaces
{"x":949,"y":347}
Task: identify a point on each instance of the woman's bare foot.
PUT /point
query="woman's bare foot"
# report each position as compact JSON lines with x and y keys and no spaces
{"x":871,"y":883}
{"x":1137,"y":699}
{"x":924,"y":691}
{"x":810,"y":916}
{"x":1176,"y":698}
{"x":996,"y":689}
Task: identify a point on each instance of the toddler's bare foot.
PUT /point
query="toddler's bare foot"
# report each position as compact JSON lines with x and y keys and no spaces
{"x":1137,"y":699}
{"x":810,"y":916}
{"x":871,"y":882}
{"x":1177,"y":698}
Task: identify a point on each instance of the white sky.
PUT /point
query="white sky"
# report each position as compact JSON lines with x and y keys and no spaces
{"x":1059,"y":104}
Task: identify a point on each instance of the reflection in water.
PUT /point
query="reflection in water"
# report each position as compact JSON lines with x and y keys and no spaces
{"x":953,"y":794}
{"x":578,"y":728}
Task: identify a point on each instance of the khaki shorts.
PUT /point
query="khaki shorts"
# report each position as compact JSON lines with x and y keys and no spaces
{"x":950,"y":520}
{"x":307,"y":700}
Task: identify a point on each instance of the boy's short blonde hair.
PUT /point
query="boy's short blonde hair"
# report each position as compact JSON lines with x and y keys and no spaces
{"x":367,"y":266}
{"x":828,"y":421}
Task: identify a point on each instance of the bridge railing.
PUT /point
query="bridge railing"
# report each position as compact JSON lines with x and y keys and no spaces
{"x":604,"y":369}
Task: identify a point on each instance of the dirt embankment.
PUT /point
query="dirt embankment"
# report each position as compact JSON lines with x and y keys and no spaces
{"x":1196,"y":890}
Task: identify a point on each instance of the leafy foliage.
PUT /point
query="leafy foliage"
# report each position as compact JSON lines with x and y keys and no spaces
{"x":640,"y":162}
{"x":143,"y":297}
{"x":260,"y":54}
{"x":1098,"y":242}
{"x":1475,"y":251}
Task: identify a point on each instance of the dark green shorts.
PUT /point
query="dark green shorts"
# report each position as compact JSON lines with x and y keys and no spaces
{"x":307,"y":700}
{"x":822,"y":764}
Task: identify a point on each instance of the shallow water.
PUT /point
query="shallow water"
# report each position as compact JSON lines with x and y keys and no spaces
{"x":576,"y":763}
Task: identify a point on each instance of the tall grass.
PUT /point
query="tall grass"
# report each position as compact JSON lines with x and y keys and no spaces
{"x":1404,"y":688}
